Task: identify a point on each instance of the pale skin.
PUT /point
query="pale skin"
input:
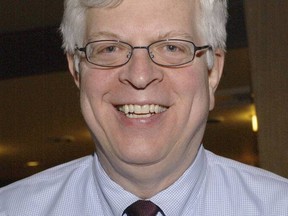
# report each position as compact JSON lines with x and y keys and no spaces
{"x":146,"y":155}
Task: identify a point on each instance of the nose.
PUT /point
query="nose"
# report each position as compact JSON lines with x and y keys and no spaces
{"x":140,"y":71}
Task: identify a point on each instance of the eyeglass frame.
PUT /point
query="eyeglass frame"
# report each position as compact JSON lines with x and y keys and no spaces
{"x":150,"y":54}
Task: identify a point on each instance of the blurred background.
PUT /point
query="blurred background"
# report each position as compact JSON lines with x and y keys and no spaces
{"x":40,"y":121}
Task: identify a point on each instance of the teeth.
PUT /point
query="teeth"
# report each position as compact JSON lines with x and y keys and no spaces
{"x":137,"y":111}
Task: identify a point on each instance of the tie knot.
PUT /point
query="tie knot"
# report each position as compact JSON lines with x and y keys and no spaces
{"x":142,"y":208}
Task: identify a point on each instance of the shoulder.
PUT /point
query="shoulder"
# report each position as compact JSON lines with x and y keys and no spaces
{"x":56,"y":173}
{"x":248,"y":185}
{"x":234,"y":168}
{"x":46,"y":187}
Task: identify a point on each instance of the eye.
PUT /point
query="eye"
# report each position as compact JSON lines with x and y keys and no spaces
{"x":95,"y":50}
{"x":172,"y":48}
{"x":107,"y":49}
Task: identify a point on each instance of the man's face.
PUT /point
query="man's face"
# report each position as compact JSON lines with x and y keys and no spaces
{"x":184,"y":95}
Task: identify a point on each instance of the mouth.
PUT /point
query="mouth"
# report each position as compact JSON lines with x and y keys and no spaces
{"x":141,"y":111}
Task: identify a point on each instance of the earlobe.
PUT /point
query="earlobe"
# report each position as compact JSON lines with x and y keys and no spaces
{"x":73,"y":70}
{"x":215,"y":75}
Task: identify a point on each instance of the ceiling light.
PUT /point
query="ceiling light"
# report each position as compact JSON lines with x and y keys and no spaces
{"x":254,"y":123}
{"x":32,"y":163}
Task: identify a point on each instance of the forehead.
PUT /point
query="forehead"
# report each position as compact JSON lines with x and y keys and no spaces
{"x":149,"y":18}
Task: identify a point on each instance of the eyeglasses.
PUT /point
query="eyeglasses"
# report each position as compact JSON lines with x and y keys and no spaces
{"x":114,"y":53}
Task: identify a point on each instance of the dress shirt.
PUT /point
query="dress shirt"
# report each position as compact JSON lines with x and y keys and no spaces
{"x":212,"y":185}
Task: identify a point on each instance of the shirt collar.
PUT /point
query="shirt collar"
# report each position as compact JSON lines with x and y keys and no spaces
{"x":173,"y":200}
{"x":184,"y":192}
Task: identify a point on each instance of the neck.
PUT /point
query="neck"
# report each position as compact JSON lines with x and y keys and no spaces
{"x":145,"y":181}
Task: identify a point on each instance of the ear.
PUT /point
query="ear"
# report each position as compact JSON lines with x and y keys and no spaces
{"x":73,"y":68}
{"x":215,"y":75}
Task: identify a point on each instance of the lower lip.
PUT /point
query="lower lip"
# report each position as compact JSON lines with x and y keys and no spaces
{"x":147,"y":121}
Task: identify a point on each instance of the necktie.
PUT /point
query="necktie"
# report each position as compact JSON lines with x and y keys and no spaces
{"x":142,"y":208}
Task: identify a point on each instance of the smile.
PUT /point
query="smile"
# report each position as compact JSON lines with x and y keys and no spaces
{"x":138,"y":111}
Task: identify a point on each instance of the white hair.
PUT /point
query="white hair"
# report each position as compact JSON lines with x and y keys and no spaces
{"x":212,"y":25}
{"x":73,"y":22}
{"x":213,"y":18}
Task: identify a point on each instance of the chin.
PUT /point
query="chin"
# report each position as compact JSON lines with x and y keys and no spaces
{"x":141,"y":154}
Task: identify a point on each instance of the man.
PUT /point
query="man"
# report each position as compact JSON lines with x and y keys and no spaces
{"x":147,"y":73}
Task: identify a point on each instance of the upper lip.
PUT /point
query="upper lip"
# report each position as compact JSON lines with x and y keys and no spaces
{"x":141,"y":103}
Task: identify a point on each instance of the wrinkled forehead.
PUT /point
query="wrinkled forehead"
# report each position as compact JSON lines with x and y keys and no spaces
{"x":110,"y":4}
{"x":115,"y":3}
{"x":149,"y":17}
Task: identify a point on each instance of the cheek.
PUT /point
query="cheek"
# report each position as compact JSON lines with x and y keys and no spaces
{"x":190,"y":83}
{"x":94,"y":85}
{"x":193,"y":92}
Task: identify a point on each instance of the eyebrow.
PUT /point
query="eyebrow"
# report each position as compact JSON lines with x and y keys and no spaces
{"x":102,"y":34}
{"x":161,"y":35}
{"x":175,"y":34}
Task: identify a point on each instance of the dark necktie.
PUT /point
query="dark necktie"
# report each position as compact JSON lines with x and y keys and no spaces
{"x":142,"y":208}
